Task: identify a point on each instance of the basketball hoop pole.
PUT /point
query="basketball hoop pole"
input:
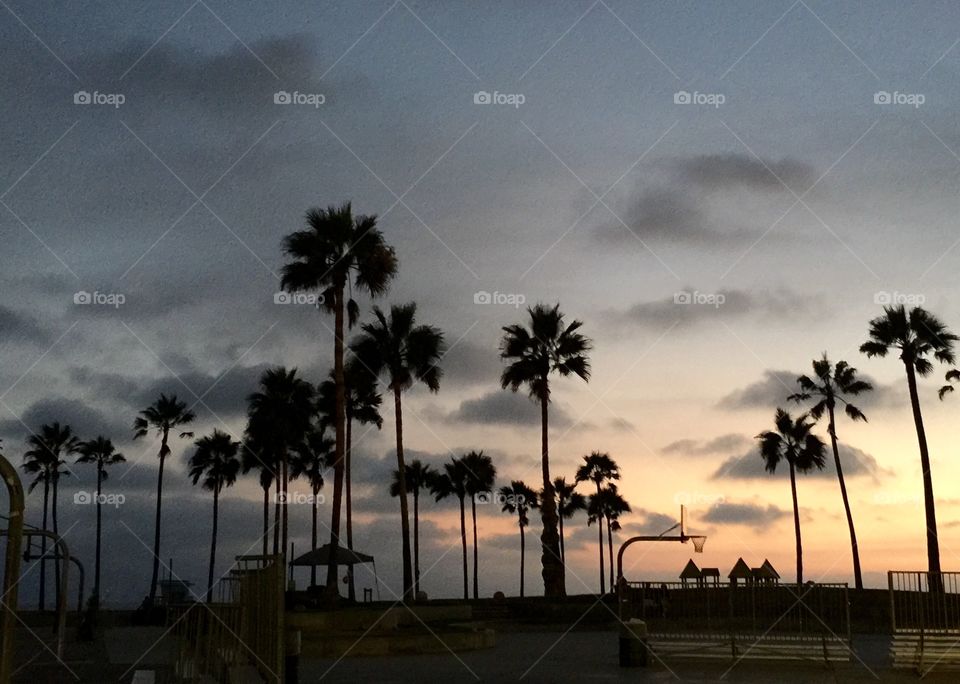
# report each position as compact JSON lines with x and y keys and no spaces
{"x":682,"y":538}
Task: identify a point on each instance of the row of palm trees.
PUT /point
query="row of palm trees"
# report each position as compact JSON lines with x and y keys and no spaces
{"x":919,"y":339}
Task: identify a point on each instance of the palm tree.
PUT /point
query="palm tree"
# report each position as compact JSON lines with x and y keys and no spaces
{"x":569,"y":502}
{"x":419,"y":476}
{"x":255,"y":457}
{"x":480,"y":482}
{"x":163,"y":415}
{"x":598,"y":468}
{"x":518,"y":499}
{"x":406,"y":352}
{"x":279,"y":413}
{"x":547,"y":347}
{"x":609,"y":505}
{"x":952,"y":375}
{"x":313,"y":456}
{"x":216,"y":462}
{"x":103,"y":454}
{"x":334,"y":251}
{"x":45,"y":458}
{"x":803,"y":451}
{"x":916,"y":335}
{"x":363,"y":406}
{"x":829,"y":385}
{"x":453,"y":482}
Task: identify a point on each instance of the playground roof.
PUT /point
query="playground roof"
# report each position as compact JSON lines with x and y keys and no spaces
{"x":321,"y":556}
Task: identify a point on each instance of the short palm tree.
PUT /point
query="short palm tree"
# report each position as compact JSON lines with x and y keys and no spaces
{"x":482,"y":475}
{"x":569,"y":503}
{"x":405,"y":352}
{"x":216,"y":463}
{"x":101,"y":453}
{"x":162,"y":416}
{"x":518,"y":499}
{"x":952,"y":376}
{"x":335,"y":251}
{"x":916,"y":336}
{"x":311,"y":458}
{"x":548,"y":346}
{"x":609,"y":505}
{"x":829,"y":385}
{"x":45,"y":459}
{"x":792,"y":441}
{"x":419,"y":476}
{"x":280,"y":414}
{"x":453,"y":482}
{"x":598,"y":468}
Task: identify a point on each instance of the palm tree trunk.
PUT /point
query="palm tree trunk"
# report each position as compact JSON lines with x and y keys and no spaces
{"x":552,"y":566}
{"x":404,"y":510}
{"x":313,"y":537}
{"x":476,"y":582}
{"x":603,"y":589}
{"x":96,"y":560}
{"x":523,"y":556}
{"x":43,"y":548}
{"x":796,"y":524}
{"x":933,"y":544}
{"x":213,"y":545}
{"x":266,"y":517}
{"x":276,"y":515}
{"x":351,"y":587}
{"x":610,"y":553}
{"x":416,"y":541}
{"x":285,"y":484}
{"x":56,"y":530}
{"x":563,"y":552}
{"x":857,"y":575}
{"x":155,"y":575}
{"x":340,"y":439}
{"x":463,"y":544}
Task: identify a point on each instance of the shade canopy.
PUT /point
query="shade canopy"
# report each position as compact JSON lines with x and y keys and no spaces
{"x":321,"y":556}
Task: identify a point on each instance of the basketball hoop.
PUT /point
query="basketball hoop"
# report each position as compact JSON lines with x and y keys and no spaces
{"x":698,"y":541}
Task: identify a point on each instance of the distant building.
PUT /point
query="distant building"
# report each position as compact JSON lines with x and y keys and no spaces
{"x":766,"y":574}
{"x":710,"y":576}
{"x":740,"y":571}
{"x":691,"y":572}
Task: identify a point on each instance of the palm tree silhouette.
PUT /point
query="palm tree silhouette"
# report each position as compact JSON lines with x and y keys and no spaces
{"x":453,"y":482}
{"x":608,"y":505}
{"x":280,"y":413}
{"x":952,"y":376}
{"x":419,"y":476}
{"x":829,"y":385}
{"x":482,"y":475}
{"x":102,"y":454}
{"x":215,"y":462}
{"x":406,"y":352}
{"x":162,"y":416}
{"x":256,"y":457}
{"x":793,"y":442}
{"x":335,"y":251}
{"x":313,"y":455}
{"x":598,"y":468}
{"x":569,"y":502}
{"x":916,"y":335}
{"x":363,"y":406}
{"x":548,"y":346}
{"x":44,"y":459}
{"x":518,"y":499}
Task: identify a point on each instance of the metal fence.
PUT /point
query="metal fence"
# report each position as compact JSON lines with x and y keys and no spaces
{"x":920,"y":603}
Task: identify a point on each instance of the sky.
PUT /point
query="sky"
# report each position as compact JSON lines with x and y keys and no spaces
{"x":720,"y":192}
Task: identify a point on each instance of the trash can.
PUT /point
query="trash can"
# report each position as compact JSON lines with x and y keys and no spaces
{"x":633,"y":644}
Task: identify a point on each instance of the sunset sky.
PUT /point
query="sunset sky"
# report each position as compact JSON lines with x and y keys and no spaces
{"x":812,"y":176}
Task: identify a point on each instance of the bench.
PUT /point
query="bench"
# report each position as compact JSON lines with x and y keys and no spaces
{"x":924,"y":651}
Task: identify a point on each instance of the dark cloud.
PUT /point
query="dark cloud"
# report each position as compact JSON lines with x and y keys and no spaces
{"x":85,"y":420}
{"x":659,"y":213}
{"x":690,"y":306}
{"x":749,"y":465}
{"x":775,"y":386}
{"x":16,"y":327}
{"x":723,"y":444}
{"x":502,"y":407}
{"x":470,"y":364}
{"x":731,"y":170}
{"x":750,"y":514}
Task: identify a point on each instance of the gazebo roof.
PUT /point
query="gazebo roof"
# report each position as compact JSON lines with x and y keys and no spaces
{"x":768,"y":570}
{"x":690,"y":571}
{"x":321,"y":556}
{"x":740,"y":570}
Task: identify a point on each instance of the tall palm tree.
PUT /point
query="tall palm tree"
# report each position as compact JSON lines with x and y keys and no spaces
{"x":598,"y":468}
{"x":569,"y":502}
{"x":48,"y":449}
{"x":916,"y":336}
{"x":363,"y":406}
{"x":608,"y":504}
{"x":792,"y":441}
{"x":419,"y":476}
{"x":831,"y":384}
{"x":215,"y":462}
{"x":162,"y":416}
{"x":405,"y":352}
{"x":313,"y":456}
{"x":280,"y":413}
{"x":335,"y":251}
{"x":482,"y":475}
{"x":453,"y":482}
{"x":518,"y":499}
{"x":548,"y":346}
{"x":102,"y":454}
{"x":255,"y":457}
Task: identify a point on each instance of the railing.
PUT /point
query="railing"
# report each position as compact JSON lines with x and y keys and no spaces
{"x":920,"y":603}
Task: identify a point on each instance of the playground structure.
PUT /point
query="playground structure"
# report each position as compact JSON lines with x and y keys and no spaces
{"x":11,"y":567}
{"x":925,"y":620}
